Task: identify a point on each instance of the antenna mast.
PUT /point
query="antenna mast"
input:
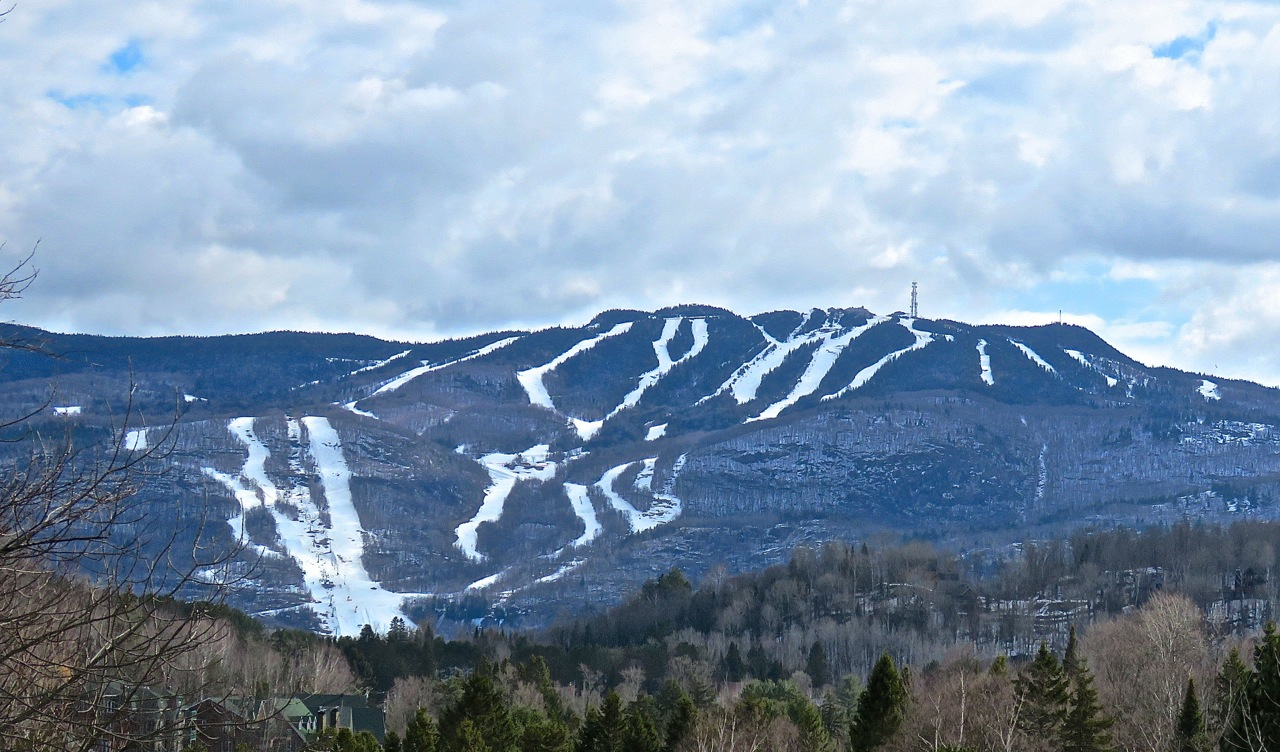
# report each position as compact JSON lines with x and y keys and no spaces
{"x":915,"y":301}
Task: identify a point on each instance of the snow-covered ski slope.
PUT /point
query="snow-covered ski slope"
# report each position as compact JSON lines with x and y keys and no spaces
{"x":325,"y":540}
{"x":505,"y":471}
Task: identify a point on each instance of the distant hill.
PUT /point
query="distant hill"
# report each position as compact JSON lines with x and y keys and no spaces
{"x":522,"y":474}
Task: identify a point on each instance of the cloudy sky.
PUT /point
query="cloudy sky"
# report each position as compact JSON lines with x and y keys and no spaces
{"x":425,"y":169}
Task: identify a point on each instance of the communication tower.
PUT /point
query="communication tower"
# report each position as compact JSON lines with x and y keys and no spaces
{"x":915,"y":301}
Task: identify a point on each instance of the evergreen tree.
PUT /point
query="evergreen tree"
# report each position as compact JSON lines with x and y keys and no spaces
{"x":881,"y":707}
{"x":816,"y":666}
{"x":392,"y":743}
{"x":1231,"y":704}
{"x":999,"y":666}
{"x":483,"y":705}
{"x":545,"y":735}
{"x":639,"y":734}
{"x":734,"y":669}
{"x":680,"y":722}
{"x":1264,"y":694}
{"x":421,"y":734}
{"x":1085,"y":725}
{"x":1043,"y":691}
{"x":469,"y":738}
{"x":808,"y":721}
{"x":1070,"y":659}
{"x":602,"y":729}
{"x":1190,"y":734}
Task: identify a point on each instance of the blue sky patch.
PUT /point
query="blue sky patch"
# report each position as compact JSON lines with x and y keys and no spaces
{"x":1185,"y":46}
{"x":126,"y":59}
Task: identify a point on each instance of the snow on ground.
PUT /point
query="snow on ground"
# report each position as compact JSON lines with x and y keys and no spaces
{"x":580,"y":499}
{"x":426,"y":367}
{"x":136,"y":440}
{"x":922,"y":340}
{"x":984,"y":362}
{"x":68,"y":410}
{"x":1031,"y":354}
{"x":351,"y":406}
{"x":1084,"y":361}
{"x":745,"y":382}
{"x":532,"y":379}
{"x":656,"y":432}
{"x":1209,"y":390}
{"x":329,"y":555}
{"x":485,"y":582}
{"x":819,"y":366}
{"x":505,"y":470}
{"x":561,"y":572}
{"x":379,"y":364}
{"x":665,"y":363}
{"x":664,"y":508}
{"x":189,"y":398}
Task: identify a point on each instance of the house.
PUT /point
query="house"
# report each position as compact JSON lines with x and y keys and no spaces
{"x":340,"y":711}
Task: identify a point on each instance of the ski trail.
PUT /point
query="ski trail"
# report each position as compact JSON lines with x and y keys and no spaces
{"x":505,"y":470}
{"x":984,"y":362}
{"x":1209,"y":390}
{"x":136,"y":440}
{"x":656,"y":432}
{"x":426,"y":367}
{"x":745,"y":382}
{"x":819,"y":366}
{"x":343,"y":595}
{"x":665,"y":363}
{"x":378,"y":365}
{"x":1084,"y":361}
{"x":532,"y":379}
{"x":1032,"y":356}
{"x":665,"y":507}
{"x":922,"y":340}
{"x":580,"y":499}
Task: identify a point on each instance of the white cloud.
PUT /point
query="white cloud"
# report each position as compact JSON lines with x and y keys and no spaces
{"x":391,"y":167}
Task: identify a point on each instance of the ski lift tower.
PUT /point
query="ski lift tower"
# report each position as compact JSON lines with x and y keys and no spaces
{"x":915,"y":301}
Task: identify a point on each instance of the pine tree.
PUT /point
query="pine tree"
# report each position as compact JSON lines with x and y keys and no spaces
{"x":1043,"y":690}
{"x":469,"y":738}
{"x":816,"y":665}
{"x":483,"y":704}
{"x":602,"y":729}
{"x":392,"y":743}
{"x":734,"y":669}
{"x":999,"y":666}
{"x":545,"y":735}
{"x":881,"y":707}
{"x":1085,"y":726}
{"x":639,"y":734}
{"x":808,"y":721}
{"x":1264,"y":695}
{"x":1070,"y":659}
{"x":1190,"y":734}
{"x":1231,"y":703}
{"x":680,"y":722}
{"x":421,"y":734}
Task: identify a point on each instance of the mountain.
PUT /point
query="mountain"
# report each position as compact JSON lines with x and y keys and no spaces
{"x":521,"y":475}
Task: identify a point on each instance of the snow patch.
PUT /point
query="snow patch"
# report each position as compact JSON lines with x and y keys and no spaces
{"x":656,"y":432}
{"x":1083,"y":360}
{"x":819,"y":366}
{"x":984,"y":362}
{"x":426,"y":367}
{"x":505,"y":470}
{"x":561,"y":572}
{"x":665,"y":506}
{"x":532,"y":379}
{"x":481,"y":584}
{"x":68,"y":410}
{"x":922,"y":340}
{"x":1034,"y":358}
{"x":136,"y":440}
{"x":1209,"y":390}
{"x":351,"y":406}
{"x":580,"y":500}
{"x":189,"y":398}
{"x":665,"y":363}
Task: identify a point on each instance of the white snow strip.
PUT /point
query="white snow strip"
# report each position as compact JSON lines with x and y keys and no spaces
{"x":819,"y":366}
{"x":357,"y":598}
{"x":1084,"y":361}
{"x":665,"y":363}
{"x":656,"y":432}
{"x":922,"y":340}
{"x":379,"y":364}
{"x":531,"y":379}
{"x":426,"y":367}
{"x":351,"y":406}
{"x":1209,"y":390}
{"x":664,"y":508}
{"x":485,"y":582}
{"x":644,"y":478}
{"x":505,"y":470}
{"x":984,"y":362}
{"x":746,"y":380}
{"x":189,"y":398}
{"x":1031,"y":354}
{"x":136,"y":440}
{"x":586,"y":428}
{"x":580,"y":499}
{"x":68,"y":410}
{"x":561,"y":572}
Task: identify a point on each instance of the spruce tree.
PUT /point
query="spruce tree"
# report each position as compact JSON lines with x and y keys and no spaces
{"x":1085,"y":725}
{"x":734,"y":669}
{"x":1070,"y":659}
{"x":469,"y":738}
{"x":1190,"y":734}
{"x":816,"y":666}
{"x":680,"y":722}
{"x":421,"y":734}
{"x":602,"y":731}
{"x":1231,"y":704}
{"x":392,"y":743}
{"x":1264,"y":695}
{"x":881,"y":707}
{"x":1043,"y":691}
{"x":483,"y":705}
{"x":639,"y":734}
